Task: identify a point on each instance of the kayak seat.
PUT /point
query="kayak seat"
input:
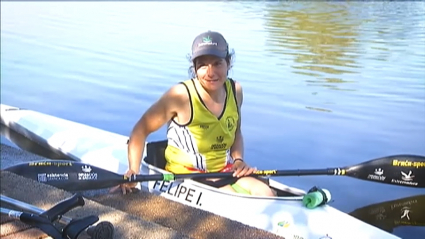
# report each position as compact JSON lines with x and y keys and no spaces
{"x":156,"y":153}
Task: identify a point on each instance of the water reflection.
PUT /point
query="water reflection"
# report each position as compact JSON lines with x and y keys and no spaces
{"x":319,"y":37}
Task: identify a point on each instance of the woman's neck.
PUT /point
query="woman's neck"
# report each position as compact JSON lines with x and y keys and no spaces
{"x":215,"y":95}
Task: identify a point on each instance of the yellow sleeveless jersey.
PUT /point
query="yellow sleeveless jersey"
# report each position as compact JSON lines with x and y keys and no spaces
{"x":203,"y":144}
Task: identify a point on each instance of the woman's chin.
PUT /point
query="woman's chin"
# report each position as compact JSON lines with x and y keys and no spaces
{"x":212,"y":85}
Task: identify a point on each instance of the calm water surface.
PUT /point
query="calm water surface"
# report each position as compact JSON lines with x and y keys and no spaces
{"x":326,"y":84}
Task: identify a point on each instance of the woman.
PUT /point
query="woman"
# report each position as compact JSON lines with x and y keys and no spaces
{"x":204,"y":123}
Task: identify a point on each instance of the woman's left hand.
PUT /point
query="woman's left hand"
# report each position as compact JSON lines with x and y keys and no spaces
{"x":240,"y":168}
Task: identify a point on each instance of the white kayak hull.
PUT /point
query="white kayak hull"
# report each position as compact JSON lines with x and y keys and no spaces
{"x":284,"y":215}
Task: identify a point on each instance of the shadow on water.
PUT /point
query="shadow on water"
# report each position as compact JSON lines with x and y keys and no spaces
{"x":320,"y":39}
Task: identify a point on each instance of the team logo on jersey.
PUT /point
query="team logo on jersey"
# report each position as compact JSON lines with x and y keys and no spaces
{"x":219,"y":145}
{"x":230,"y":122}
{"x":220,"y":139}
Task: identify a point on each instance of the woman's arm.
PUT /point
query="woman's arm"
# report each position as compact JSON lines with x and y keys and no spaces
{"x":154,"y":118}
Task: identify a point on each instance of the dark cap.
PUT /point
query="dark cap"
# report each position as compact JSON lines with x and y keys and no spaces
{"x":210,"y":43}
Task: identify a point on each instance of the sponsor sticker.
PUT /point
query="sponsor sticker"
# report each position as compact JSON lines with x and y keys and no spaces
{"x":405,"y":213}
{"x":283,"y":224}
{"x":47,"y":163}
{"x":378,"y":175}
{"x":47,"y":177}
{"x":406,"y":178}
{"x":42,"y":177}
{"x":43,"y":163}
{"x":266,"y":172}
{"x":87,"y":174}
{"x":408,"y":163}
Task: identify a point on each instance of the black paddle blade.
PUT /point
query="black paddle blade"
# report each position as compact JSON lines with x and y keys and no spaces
{"x":409,"y":211}
{"x":68,"y":175}
{"x":31,"y":144}
{"x":402,"y":170}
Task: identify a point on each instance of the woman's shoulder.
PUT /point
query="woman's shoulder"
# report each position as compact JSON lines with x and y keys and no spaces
{"x":236,"y":84}
{"x":237,"y":90}
{"x":178,"y":91}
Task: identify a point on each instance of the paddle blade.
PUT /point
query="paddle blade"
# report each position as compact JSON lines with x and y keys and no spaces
{"x":409,"y":211}
{"x":68,"y":175}
{"x":401,"y":170}
{"x":28,"y":143}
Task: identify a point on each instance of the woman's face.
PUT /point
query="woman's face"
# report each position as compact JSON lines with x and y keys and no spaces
{"x":211,"y":72}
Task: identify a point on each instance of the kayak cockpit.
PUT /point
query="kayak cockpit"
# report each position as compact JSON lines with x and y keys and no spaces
{"x":155,"y":156}
{"x":155,"y":153}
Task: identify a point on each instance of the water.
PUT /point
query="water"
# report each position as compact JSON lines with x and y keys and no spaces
{"x":326,"y":84}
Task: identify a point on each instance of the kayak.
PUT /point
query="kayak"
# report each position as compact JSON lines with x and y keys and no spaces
{"x":284,"y":215}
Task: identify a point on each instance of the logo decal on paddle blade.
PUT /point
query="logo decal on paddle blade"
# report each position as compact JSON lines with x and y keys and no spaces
{"x":86,"y":169}
{"x":378,"y":175}
{"x":407,"y":177}
{"x":405,"y":213}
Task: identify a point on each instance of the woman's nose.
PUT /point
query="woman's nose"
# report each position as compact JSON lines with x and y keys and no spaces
{"x":210,"y":70}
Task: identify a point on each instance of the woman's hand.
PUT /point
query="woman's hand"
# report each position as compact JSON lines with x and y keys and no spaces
{"x":125,"y":187}
{"x":240,"y":169}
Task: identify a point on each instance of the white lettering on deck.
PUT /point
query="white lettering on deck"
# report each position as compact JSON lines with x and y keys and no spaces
{"x":180,"y":191}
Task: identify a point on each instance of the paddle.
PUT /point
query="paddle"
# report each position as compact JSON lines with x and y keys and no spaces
{"x":409,"y":211}
{"x":400,"y":170}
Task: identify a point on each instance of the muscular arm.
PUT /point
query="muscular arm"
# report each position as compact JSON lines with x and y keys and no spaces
{"x":237,"y":149}
{"x":154,"y":118}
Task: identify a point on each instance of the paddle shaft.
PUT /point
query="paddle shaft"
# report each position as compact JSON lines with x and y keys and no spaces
{"x":170,"y":177}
